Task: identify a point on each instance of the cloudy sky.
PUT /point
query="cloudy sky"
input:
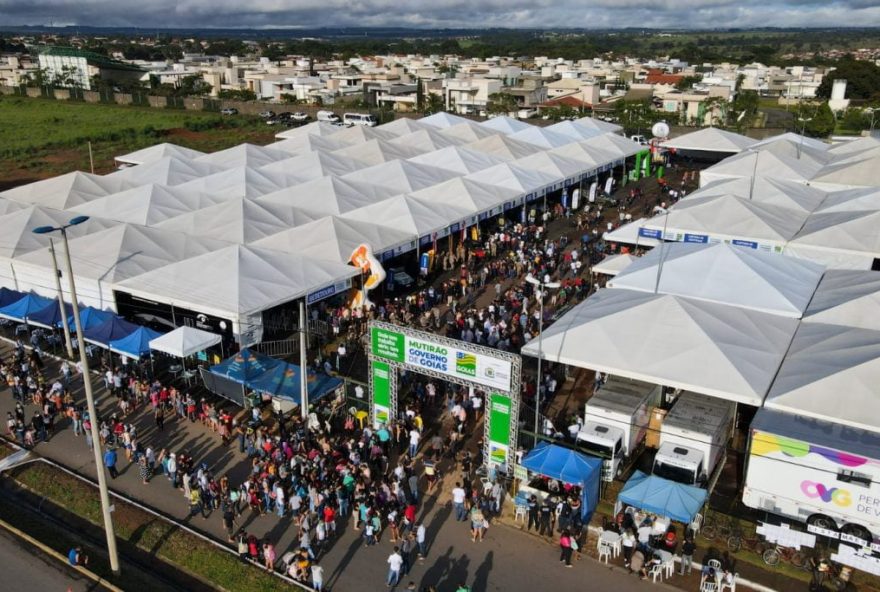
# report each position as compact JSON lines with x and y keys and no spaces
{"x":443,"y":13}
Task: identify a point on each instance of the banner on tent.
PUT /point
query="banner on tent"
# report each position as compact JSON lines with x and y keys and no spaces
{"x":696,"y":238}
{"x":328,"y":291}
{"x":499,"y":428}
{"x":381,"y":392}
{"x":431,"y":355}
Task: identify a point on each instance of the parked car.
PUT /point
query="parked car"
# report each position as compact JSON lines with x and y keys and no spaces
{"x":267,"y":114}
{"x":328,"y":116}
{"x":229,"y":111}
{"x":640,"y":139}
{"x":300,"y":116}
{"x":274,"y":121}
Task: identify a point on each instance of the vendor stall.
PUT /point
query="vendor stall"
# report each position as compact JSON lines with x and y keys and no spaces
{"x":663,"y":497}
{"x":571,"y":468}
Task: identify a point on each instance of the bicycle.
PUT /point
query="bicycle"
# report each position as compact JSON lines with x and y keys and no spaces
{"x":717,"y":526}
{"x":774,"y":554}
{"x":738,"y":540}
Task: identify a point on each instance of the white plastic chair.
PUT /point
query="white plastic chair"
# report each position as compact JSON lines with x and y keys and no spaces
{"x":656,"y":571}
{"x":715,"y":564}
{"x":669,"y":566}
{"x":731,"y":585}
{"x":696,"y":523}
{"x":604,"y":552}
{"x":708,"y":586}
{"x":520,"y":513}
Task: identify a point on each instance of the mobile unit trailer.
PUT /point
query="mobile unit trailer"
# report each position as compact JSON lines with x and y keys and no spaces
{"x":616,"y":419}
{"x":693,"y":437}
{"x":823,"y":474}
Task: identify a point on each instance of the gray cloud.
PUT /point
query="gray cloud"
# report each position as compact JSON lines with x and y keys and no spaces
{"x":443,"y":13}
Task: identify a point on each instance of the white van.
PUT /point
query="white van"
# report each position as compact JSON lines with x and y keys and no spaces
{"x":359,"y":119}
{"x":328,"y":116}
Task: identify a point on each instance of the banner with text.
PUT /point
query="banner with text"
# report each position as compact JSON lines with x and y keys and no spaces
{"x":381,"y":392}
{"x":431,"y":355}
{"x":499,"y":428}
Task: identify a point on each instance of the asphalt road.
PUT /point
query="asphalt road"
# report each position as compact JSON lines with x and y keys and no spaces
{"x":26,"y":569}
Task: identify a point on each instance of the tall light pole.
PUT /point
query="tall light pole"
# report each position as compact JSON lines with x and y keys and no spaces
{"x":542,"y":286}
{"x":90,"y":397}
{"x":57,"y":273}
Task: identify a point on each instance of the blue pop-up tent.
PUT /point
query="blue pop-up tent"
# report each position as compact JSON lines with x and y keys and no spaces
{"x":283,"y":381}
{"x":245,"y":366}
{"x":24,"y":307}
{"x":136,"y":344}
{"x":50,"y":316}
{"x":112,"y":329}
{"x":568,"y":466}
{"x":90,"y":317}
{"x":663,"y":497}
{"x":8,"y":296}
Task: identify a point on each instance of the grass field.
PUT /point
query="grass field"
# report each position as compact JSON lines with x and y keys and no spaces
{"x":41,"y":138}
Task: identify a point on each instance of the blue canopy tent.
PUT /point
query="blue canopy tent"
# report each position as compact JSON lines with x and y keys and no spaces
{"x":8,"y":296}
{"x":663,"y":497}
{"x":90,"y":317}
{"x":568,"y":466}
{"x":24,"y":307}
{"x":50,"y":316}
{"x":136,"y":344}
{"x":245,"y":366}
{"x":283,"y":381}
{"x":112,"y":329}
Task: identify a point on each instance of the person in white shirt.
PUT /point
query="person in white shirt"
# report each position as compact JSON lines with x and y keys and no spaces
{"x":458,"y":497}
{"x":317,"y":577}
{"x":395,"y":561}
{"x":359,"y":391}
{"x":414,"y":437}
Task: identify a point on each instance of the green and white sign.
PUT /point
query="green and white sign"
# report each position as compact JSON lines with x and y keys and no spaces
{"x":381,"y":392}
{"x":499,"y":428}
{"x":480,"y":368}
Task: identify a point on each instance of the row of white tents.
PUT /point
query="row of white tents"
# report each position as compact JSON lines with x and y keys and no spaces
{"x":721,"y":311}
{"x":238,"y":231}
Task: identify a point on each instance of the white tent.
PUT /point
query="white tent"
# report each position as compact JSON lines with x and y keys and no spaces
{"x":795,"y":151}
{"x":240,"y":220}
{"x":427,"y":140}
{"x":414,"y":216}
{"x":830,"y":373}
{"x":404,"y":126}
{"x":315,"y":128}
{"x":796,"y":138}
{"x":237,"y":281}
{"x":553,"y":164}
{"x":335,"y":238}
{"x":402,"y":175}
{"x":615,"y":144}
{"x":575,"y":130}
{"x":107,"y":257}
{"x":861,"y":173}
{"x":524,"y":180}
{"x":244,"y":155}
{"x":468,"y":194}
{"x":378,"y":151}
{"x":307,"y":143}
{"x":443,"y":120}
{"x":854,"y":231}
{"x":184,"y":341}
{"x":730,"y":218}
{"x":7,"y":206}
{"x":592,"y":157}
{"x":66,"y":191}
{"x":862,"y":199}
{"x":613,"y":264}
{"x":761,"y":163}
{"x":722,"y":273}
{"x":503,"y":147}
{"x":314,"y":165}
{"x":458,"y":159}
{"x":18,"y":226}
{"x":599,"y":125}
{"x":506,"y":125}
{"x":158,"y":152}
{"x":854,"y":156}
{"x":543,"y":137}
{"x":847,"y":297}
{"x":628,"y":234}
{"x":710,"y":139}
{"x":766,"y":190}
{"x":237,"y":182}
{"x":844,"y":149}
{"x":722,"y":351}
{"x":358,"y":134}
{"x":830,"y":258}
{"x":146,"y":204}
{"x":469,"y":131}
{"x":329,"y":195}
{"x":168,"y":170}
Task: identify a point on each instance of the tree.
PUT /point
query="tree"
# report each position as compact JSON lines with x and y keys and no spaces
{"x":501,"y":102}
{"x":434,"y":104}
{"x":688,"y":82}
{"x":816,"y":122}
{"x":238,"y":95}
{"x":862,"y":80}
{"x":743,"y":109}
{"x":856,"y":120}
{"x":420,"y":95}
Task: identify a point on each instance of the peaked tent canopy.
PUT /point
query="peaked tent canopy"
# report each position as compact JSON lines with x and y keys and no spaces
{"x":66,"y":191}
{"x":761,"y":163}
{"x":427,"y":140}
{"x":359,"y":134}
{"x":402,"y":176}
{"x":569,"y":467}
{"x":861,"y":173}
{"x":8,"y":296}
{"x":147,"y":204}
{"x":404,"y":126}
{"x":166,"y":171}
{"x":378,"y":151}
{"x":467,"y":193}
{"x":443,"y":120}
{"x":515,"y":177}
{"x":50,"y":316}
{"x":304,"y":145}
{"x":158,"y":152}
{"x":329,"y":195}
{"x":136,"y":343}
{"x":283,"y":381}
{"x":506,"y":125}
{"x":91,"y":317}
{"x":469,"y":131}
{"x":314,"y":165}
{"x":727,"y":274}
{"x":244,"y":155}
{"x":415,"y":216}
{"x":184,"y":341}
{"x":245,"y":366}
{"x":543,"y":137}
{"x":710,"y":139}
{"x":18,"y":226}
{"x":112,"y":329}
{"x":24,"y":307}
{"x":663,"y":497}
{"x":614,"y":264}
{"x":315,"y":128}
{"x":628,"y":234}
{"x":458,"y":159}
{"x":767,"y":191}
{"x":847,"y":297}
{"x":503,"y":147}
{"x":575,"y":130}
{"x":714,"y":349}
{"x":599,"y":125}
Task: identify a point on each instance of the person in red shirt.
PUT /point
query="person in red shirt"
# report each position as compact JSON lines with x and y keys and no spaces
{"x":330,"y":519}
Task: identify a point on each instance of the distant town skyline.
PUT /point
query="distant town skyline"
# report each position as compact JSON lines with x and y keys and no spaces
{"x":679,"y":14}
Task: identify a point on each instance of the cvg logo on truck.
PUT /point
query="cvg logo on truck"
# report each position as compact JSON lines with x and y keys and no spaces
{"x":833,"y":495}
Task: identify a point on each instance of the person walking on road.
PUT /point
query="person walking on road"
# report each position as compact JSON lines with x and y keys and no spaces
{"x":458,"y":497}
{"x":565,"y":544}
{"x":421,"y":540}
{"x":110,"y":463}
{"x":395,"y":562}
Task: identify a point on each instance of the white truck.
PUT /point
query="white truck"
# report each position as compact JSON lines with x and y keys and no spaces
{"x":819,"y":473}
{"x":616,"y":420}
{"x":693,"y":437}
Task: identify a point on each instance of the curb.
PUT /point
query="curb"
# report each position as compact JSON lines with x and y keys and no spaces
{"x":56,"y":555}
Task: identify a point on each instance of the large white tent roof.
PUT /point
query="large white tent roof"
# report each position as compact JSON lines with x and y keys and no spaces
{"x":587,"y":154}
{"x":797,"y":139}
{"x":723,"y":351}
{"x":168,"y":170}
{"x":404,"y":126}
{"x":414,"y":216}
{"x":402,"y":175}
{"x":329,"y":195}
{"x":378,"y":151}
{"x":710,"y":139}
{"x":442,"y":119}
{"x":66,"y":191}
{"x":766,"y":190}
{"x":314,"y":165}
{"x":469,"y":131}
{"x":515,"y":177}
{"x":854,"y":146}
{"x":158,"y":152}
{"x":597,"y":124}
{"x":847,"y":297}
{"x":238,"y":182}
{"x":796,"y":151}
{"x":545,"y":138}
{"x":427,"y":140}
{"x":576,"y":130}
{"x":761,"y":163}
{"x":628,"y":234}
{"x":613,"y":264}
{"x":237,"y":280}
{"x":831,"y":373}
{"x":18,"y":226}
{"x":503,"y":147}
{"x":862,"y":199}
{"x":726,"y":274}
{"x":146,"y":204}
{"x":358,"y":134}
{"x":7,"y":206}
{"x":860,"y":173}
{"x":467,"y":193}
{"x":506,"y":125}
{"x":615,"y":144}
{"x":306,"y":143}
{"x":244,"y":155}
{"x":184,"y":341}
{"x":855,"y":231}
{"x":335,"y":238}
{"x":547,"y":162}
{"x":315,"y":128}
{"x":458,"y":159}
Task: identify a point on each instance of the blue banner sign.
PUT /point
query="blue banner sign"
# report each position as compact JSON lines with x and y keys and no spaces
{"x":744,"y":243}
{"x":327,"y":292}
{"x":696,"y":238}
{"x":650,"y":233}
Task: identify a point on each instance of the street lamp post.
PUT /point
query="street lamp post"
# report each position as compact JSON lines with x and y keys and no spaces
{"x":64,"y":323}
{"x":542,"y":286}
{"x":90,"y":398}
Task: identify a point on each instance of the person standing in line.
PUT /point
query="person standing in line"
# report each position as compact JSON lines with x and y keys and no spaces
{"x":395,"y":562}
{"x":406,"y":546}
{"x":628,"y":540}
{"x":421,"y":540}
{"x":458,"y":497}
{"x":687,"y":554}
{"x":110,"y":463}
{"x":317,"y":577}
{"x":533,"y":512}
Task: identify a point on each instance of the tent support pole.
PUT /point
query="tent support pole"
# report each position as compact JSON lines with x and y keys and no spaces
{"x":303,"y":375}
{"x":57,"y":273}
